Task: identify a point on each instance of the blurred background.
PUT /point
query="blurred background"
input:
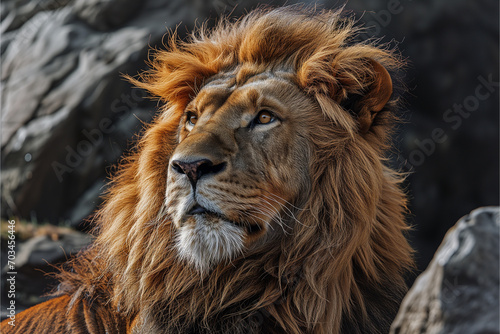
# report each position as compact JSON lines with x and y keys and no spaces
{"x":67,"y":115}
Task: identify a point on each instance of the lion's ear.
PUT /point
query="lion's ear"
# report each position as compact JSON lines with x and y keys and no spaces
{"x":373,"y":99}
{"x":381,"y":89}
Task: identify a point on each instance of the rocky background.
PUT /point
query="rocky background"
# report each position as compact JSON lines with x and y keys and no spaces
{"x":67,"y":114}
{"x":458,"y":292}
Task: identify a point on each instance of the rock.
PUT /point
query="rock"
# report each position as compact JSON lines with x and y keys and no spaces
{"x":459,"y":291}
{"x":40,"y":250}
{"x":60,"y":84}
{"x":67,"y":112}
{"x":106,"y":14}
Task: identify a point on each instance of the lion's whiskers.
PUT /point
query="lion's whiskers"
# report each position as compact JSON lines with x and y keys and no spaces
{"x":278,"y":212}
{"x":289,"y":213}
{"x":282,"y":199}
{"x":249,"y":213}
{"x":252,"y":216}
{"x":273,"y":215}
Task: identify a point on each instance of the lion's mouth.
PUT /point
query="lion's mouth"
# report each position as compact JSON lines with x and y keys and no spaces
{"x":197,"y":209}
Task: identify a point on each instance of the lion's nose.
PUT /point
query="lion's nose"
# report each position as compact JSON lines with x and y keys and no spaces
{"x":196,"y":169}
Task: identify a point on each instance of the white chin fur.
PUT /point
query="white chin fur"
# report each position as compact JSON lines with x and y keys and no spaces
{"x":206,"y":245}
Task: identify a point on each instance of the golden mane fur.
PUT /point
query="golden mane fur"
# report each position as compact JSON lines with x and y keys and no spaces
{"x":339,"y":271}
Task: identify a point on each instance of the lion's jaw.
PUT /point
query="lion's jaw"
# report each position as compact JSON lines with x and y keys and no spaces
{"x":234,"y":173}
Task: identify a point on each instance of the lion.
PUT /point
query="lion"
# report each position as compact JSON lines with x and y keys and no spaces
{"x":259,"y":200}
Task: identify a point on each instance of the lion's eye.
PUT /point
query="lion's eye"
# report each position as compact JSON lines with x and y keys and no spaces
{"x":192,"y":118}
{"x":265,"y":117}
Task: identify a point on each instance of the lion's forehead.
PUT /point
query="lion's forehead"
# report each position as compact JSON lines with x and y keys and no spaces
{"x":271,"y":87}
{"x":243,"y":74}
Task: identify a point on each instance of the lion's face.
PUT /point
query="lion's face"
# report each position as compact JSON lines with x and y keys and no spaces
{"x":241,"y":161}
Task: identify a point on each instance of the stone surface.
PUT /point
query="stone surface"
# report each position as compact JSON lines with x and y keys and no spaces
{"x":459,"y":291}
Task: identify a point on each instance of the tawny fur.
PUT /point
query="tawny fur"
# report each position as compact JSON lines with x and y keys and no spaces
{"x":339,"y":271}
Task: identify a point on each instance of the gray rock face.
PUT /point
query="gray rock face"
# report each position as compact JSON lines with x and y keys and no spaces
{"x":459,"y":291}
{"x":63,"y":116}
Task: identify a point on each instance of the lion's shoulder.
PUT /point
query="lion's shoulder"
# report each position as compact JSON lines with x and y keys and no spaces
{"x":65,"y":315}
{"x":47,"y":317}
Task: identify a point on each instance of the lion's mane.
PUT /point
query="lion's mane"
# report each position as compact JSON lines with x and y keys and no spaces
{"x":341,"y":269}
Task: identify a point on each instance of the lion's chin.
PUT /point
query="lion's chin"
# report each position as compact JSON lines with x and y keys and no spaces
{"x":203,"y":243}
